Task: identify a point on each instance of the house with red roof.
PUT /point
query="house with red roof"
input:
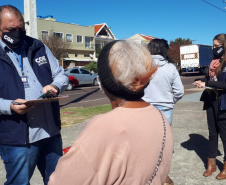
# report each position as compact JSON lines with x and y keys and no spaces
{"x":103,"y":35}
{"x":142,"y":38}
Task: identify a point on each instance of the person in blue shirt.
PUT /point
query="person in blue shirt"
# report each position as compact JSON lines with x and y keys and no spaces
{"x":29,"y":134}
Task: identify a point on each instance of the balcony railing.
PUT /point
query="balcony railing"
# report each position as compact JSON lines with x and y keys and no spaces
{"x":89,"y":46}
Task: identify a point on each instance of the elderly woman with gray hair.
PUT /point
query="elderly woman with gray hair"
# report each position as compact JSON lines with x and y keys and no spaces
{"x":130,"y":145}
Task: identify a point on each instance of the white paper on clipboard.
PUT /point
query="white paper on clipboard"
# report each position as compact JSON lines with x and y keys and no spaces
{"x":210,"y":88}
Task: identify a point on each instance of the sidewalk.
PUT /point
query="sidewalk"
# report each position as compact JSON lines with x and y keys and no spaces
{"x":190,"y":134}
{"x":190,"y":145}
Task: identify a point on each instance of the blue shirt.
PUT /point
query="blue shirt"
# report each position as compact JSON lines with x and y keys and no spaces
{"x":38,"y":129}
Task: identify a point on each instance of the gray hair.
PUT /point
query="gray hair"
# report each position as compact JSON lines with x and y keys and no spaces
{"x":129,"y":60}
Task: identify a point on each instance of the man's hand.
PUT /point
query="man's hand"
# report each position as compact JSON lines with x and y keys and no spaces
{"x":52,"y":88}
{"x":20,"y":106}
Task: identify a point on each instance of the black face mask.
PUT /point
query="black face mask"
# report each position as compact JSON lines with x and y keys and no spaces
{"x":218,"y":52}
{"x":14,"y":38}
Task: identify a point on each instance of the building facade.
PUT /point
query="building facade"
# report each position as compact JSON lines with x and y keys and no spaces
{"x":81,"y":39}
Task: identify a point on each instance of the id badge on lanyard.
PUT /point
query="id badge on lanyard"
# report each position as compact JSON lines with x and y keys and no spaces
{"x":25,"y":81}
{"x":24,"y":78}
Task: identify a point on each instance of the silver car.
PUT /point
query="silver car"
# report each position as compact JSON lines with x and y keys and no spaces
{"x":83,"y":76}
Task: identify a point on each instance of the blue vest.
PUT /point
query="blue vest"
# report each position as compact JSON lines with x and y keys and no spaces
{"x":13,"y":128}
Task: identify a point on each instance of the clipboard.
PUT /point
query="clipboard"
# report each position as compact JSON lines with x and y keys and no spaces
{"x":58,"y":98}
{"x":211,"y":88}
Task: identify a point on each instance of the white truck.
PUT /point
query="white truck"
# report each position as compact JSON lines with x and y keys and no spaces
{"x":195,"y":58}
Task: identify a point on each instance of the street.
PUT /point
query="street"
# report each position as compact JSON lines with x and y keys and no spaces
{"x":88,"y":96}
{"x":85,"y":96}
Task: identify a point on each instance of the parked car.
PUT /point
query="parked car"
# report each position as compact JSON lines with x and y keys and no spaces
{"x":81,"y":75}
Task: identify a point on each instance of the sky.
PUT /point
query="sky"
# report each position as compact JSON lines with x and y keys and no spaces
{"x":197,"y":20}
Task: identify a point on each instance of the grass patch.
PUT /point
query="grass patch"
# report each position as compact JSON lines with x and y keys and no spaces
{"x":74,"y":115}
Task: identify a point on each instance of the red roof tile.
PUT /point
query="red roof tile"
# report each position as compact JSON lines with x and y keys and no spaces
{"x":97,"y":27}
{"x":147,"y":37}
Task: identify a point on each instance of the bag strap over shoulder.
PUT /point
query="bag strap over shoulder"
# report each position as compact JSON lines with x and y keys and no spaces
{"x":161,"y":152}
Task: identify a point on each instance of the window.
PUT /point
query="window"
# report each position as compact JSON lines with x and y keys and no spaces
{"x":76,"y":71}
{"x":76,"y":55}
{"x":56,"y":34}
{"x":88,"y":42}
{"x":79,"y":38}
{"x":69,"y":37}
{"x":84,"y":71}
{"x":86,"y":55}
{"x":44,"y":34}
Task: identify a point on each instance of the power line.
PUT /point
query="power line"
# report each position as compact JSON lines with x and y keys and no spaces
{"x":214,"y":6}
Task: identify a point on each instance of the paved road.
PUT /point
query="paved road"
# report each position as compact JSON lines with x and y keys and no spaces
{"x":85,"y":96}
{"x":88,"y":96}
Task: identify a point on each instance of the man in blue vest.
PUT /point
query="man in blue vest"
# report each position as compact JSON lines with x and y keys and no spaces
{"x":29,"y":134}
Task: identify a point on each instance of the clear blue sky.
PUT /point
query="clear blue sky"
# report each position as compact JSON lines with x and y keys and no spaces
{"x":169,"y":19}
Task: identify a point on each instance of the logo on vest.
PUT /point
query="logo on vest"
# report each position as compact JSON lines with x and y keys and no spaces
{"x":41,"y":60}
{"x":8,"y":39}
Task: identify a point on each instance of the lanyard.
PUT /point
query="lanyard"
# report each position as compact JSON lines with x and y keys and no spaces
{"x":19,"y":59}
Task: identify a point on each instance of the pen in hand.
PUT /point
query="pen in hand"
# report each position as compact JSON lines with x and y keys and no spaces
{"x":20,"y":106}
{"x":17,"y":103}
{"x":45,"y":95}
{"x":25,"y":103}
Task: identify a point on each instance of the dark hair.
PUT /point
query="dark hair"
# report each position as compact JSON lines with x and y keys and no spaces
{"x":12,"y":9}
{"x":159,"y":47}
{"x":221,"y":38}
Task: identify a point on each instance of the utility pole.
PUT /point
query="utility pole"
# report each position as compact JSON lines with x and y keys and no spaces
{"x":30,"y":18}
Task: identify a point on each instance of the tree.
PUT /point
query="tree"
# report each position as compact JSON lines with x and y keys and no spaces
{"x":174,"y":50}
{"x":98,"y":50}
{"x":56,"y":44}
{"x":92,"y":66}
{"x":181,"y":41}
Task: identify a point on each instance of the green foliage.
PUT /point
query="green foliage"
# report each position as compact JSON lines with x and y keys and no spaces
{"x":92,"y":66}
{"x":181,"y":41}
{"x":98,"y":50}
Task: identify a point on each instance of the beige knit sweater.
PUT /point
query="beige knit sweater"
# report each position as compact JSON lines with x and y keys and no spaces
{"x":119,"y":147}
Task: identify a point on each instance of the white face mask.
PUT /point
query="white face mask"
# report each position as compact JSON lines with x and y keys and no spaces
{"x":99,"y":83}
